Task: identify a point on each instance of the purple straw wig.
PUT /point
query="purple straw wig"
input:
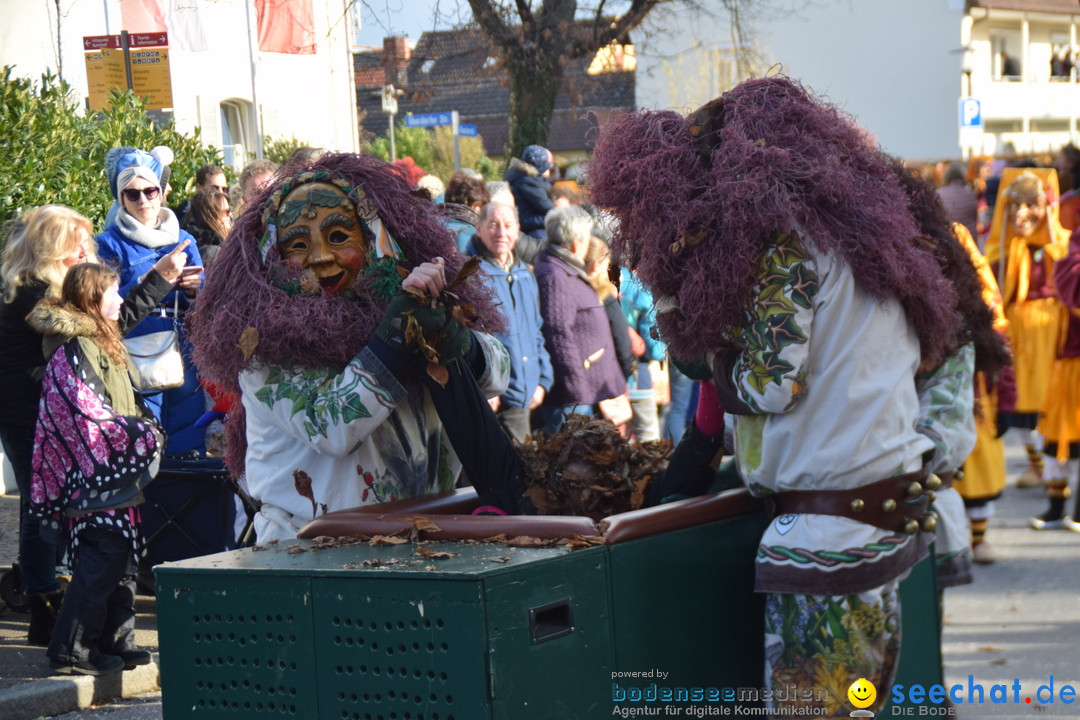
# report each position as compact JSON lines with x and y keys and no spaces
{"x":311,"y":330}
{"x":699,"y":198}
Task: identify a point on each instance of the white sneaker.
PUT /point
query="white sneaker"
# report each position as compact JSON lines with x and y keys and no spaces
{"x":982,"y":553}
{"x":1029,"y":479}
{"x":1070,"y":524}
{"x":1039,"y":522}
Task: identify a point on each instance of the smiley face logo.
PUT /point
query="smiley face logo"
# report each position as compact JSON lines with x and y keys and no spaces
{"x":862,"y":693}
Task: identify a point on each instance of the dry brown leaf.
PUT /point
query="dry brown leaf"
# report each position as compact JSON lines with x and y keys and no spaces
{"x":435,"y":554}
{"x":526,"y":541}
{"x":429,"y":568}
{"x":249,"y":340}
{"x":467,"y":270}
{"x":422,"y":523}
{"x":637,"y":497}
{"x":387,"y":540}
{"x":988,"y":648}
{"x":302,"y":483}
{"x":577,"y":542}
{"x":374,"y":562}
{"x":500,"y":559}
{"x":999,"y":661}
{"x":438,"y":373}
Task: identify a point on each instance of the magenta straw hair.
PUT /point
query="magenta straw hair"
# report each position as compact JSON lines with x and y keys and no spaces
{"x":768,"y":158}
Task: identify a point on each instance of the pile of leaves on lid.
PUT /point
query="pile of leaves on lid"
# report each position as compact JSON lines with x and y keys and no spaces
{"x":588,"y":468}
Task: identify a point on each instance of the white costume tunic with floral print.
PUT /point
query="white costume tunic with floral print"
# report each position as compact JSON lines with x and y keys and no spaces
{"x":827,"y":371}
{"x":320,"y":441}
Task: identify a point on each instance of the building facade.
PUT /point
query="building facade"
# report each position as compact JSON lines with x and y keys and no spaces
{"x":1019,"y":58}
{"x":221,"y":81}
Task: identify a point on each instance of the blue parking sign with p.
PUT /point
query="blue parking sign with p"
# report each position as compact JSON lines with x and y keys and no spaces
{"x":970,"y":113}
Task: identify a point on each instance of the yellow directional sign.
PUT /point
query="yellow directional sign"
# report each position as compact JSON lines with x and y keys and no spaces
{"x":150,"y":76}
{"x":104,"y":72}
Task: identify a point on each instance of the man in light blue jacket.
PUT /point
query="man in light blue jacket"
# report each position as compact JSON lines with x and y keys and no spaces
{"x":515,"y":287}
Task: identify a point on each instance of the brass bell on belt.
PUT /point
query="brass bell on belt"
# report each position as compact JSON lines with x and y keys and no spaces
{"x":933,"y":482}
{"x":857,"y":505}
{"x":914,"y":490}
{"x":929,"y":522}
{"x":888,"y":505}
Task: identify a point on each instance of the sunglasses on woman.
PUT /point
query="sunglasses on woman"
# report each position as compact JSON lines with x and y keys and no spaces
{"x":132,"y":194}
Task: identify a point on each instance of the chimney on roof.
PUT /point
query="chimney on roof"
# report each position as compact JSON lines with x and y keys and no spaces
{"x":396,"y":55}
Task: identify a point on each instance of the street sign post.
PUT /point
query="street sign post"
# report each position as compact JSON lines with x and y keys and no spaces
{"x":970,"y":113}
{"x":970,"y":117}
{"x":428,"y":119}
{"x":444,"y":118}
{"x":134,"y":61}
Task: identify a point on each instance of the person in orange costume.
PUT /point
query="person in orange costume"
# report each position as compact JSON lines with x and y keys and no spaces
{"x":1025,"y":232}
{"x":1060,"y":423}
{"x":983,"y":476}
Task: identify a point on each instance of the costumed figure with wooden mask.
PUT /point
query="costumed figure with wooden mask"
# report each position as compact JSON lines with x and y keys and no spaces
{"x":780,"y":249}
{"x":357,"y":386}
{"x":1024,"y":242}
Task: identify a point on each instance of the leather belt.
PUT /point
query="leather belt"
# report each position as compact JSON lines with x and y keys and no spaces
{"x":896,"y":504}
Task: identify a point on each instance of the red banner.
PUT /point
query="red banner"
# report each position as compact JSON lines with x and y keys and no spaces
{"x":142,"y":16}
{"x":286,"y":26}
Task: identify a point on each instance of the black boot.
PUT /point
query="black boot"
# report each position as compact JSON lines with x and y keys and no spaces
{"x":1073,"y":523}
{"x":43,"y":610}
{"x":1057,"y":492}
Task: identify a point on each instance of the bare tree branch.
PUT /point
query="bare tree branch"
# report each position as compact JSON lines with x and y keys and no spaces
{"x":492,"y":25}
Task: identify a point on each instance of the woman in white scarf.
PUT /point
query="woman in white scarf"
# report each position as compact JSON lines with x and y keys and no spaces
{"x":143,"y":231}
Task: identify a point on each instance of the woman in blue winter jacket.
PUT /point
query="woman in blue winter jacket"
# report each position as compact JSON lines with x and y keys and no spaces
{"x":142,"y":232}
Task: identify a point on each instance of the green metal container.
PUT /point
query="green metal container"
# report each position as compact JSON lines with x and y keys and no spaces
{"x":488,"y":631}
{"x":364,"y":633}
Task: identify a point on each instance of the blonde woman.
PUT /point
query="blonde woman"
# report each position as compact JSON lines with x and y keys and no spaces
{"x":40,"y":248}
